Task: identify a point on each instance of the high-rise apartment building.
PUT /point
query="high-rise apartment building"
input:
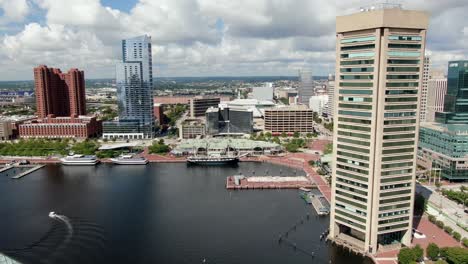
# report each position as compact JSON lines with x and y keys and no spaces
{"x":59,"y":94}
{"x":306,"y":86}
{"x":199,"y":105}
{"x":436,"y":90}
{"x":379,"y":68}
{"x":291,"y":119}
{"x":134,"y":79}
{"x":424,"y":89}
{"x":455,"y":108}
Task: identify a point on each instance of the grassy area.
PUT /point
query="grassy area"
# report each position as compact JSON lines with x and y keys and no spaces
{"x":35,"y":147}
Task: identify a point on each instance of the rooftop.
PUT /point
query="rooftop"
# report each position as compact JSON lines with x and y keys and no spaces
{"x":454,"y":129}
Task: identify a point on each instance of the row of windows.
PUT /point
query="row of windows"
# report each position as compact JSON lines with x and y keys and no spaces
{"x":400,"y":122}
{"x":352,"y":134}
{"x":357,"y":55}
{"x":407,"y":38}
{"x":350,"y":216}
{"x":354,"y":120}
{"x":351,"y":182}
{"x":355,"y":99}
{"x":404,"y":53}
{"x":393,"y":227}
{"x":400,"y":107}
{"x":353,"y":162}
{"x":356,"y":77}
{"x":349,"y":155}
{"x":350,"y":202}
{"x":349,"y":175}
{"x":356,"y":142}
{"x":347,"y":208}
{"x":367,"y":129}
{"x":400,"y":114}
{"x":402,"y":77}
{"x":396,"y":172}
{"x":367,"y":92}
{"x":367,"y":69}
{"x":354,"y":113}
{"x":356,"y":106}
{"x":395,"y":186}
{"x":397,"y":144}
{"x":365,"y":151}
{"x":350,"y":222}
{"x":399,"y":92}
{"x":352,"y":196}
{"x":395,"y":193}
{"x":402,"y":212}
{"x":399,"y":219}
{"x":401,"y":99}
{"x":396,"y":179}
{"x":403,"y":84}
{"x":397,"y":165}
{"x":395,"y":206}
{"x":397,"y":199}
{"x":356,"y":84}
{"x":358,"y":47}
{"x":399,"y":129}
{"x":347,"y":168}
{"x":395,"y":158}
{"x":351,"y":189}
{"x":404,"y":46}
{"x":358,"y":39}
{"x":397,"y":61}
{"x":403,"y":69}
{"x":357,"y":62}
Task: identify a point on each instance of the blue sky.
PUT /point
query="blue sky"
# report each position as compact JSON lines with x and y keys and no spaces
{"x":199,"y":37}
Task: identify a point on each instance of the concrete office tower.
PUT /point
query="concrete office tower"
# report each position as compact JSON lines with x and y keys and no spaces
{"x":455,"y":109}
{"x":199,"y":105}
{"x":436,"y":90}
{"x":331,"y":95}
{"x":134,"y":79}
{"x":298,"y":118}
{"x":424,"y":89}
{"x":263,"y":93}
{"x":306,"y":86}
{"x":225,"y":120}
{"x":379,"y":67}
{"x":59,"y":94}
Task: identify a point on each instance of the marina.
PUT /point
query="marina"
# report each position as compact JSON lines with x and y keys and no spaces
{"x":17,"y":171}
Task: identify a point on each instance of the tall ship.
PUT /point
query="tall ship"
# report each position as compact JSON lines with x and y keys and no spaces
{"x":88,"y":160}
{"x":129,"y":160}
{"x":212,"y":159}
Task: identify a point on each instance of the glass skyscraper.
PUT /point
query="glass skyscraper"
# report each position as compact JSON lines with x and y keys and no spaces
{"x":456,"y":99}
{"x":134,"y":79}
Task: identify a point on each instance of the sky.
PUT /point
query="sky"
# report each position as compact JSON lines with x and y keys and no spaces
{"x":200,"y":37}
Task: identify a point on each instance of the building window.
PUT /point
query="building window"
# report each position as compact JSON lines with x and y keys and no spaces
{"x":360,"y":39}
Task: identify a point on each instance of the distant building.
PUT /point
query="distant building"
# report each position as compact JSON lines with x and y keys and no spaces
{"x":123,"y":130}
{"x":443,"y":149}
{"x":173,"y":100}
{"x":134,"y":80}
{"x":455,"y":109}
{"x":306,"y":86}
{"x":318,"y":103}
{"x":436,"y":90}
{"x":221,"y":145}
{"x":263,"y":93}
{"x":159,"y":113}
{"x":255,"y":106}
{"x":6,"y":130}
{"x":199,"y":105}
{"x":289,"y":119}
{"x":424,"y":89}
{"x":61,"y":127}
{"x":192,"y":128}
{"x":331,"y":96}
{"x":59,"y":94}
{"x":225,"y":120}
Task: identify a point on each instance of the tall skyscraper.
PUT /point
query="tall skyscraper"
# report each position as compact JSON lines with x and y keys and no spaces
{"x":455,"y":108}
{"x":134,"y":79}
{"x":59,"y":94}
{"x":331,"y":95}
{"x":424,"y":89}
{"x":306,"y":86}
{"x":379,"y":67}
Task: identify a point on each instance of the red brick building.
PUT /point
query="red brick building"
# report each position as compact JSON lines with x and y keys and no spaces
{"x":59,"y":94}
{"x":159,"y":113}
{"x":61,"y":127}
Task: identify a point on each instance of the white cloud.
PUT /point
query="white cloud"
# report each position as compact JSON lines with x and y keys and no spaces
{"x":13,"y":10}
{"x":203,"y":37}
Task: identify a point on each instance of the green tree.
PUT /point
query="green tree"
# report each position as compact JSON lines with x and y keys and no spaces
{"x":276,"y":140}
{"x":455,"y":255}
{"x":406,"y":256}
{"x":440,"y":224}
{"x":432,"y":251}
{"x":448,"y":229}
{"x":328,"y":149}
{"x":465,"y":241}
{"x":457,"y":236}
{"x":283,"y":135}
{"x":440,"y":261}
{"x":158,"y":148}
{"x":296,"y":134}
{"x":418,"y":253}
{"x":268,"y":135}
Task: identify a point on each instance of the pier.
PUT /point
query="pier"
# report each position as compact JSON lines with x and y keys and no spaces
{"x":240,"y":182}
{"x":19,"y":171}
{"x":33,"y":168}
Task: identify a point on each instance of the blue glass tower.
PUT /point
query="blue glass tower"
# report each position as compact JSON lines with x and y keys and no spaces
{"x":456,"y":99}
{"x":134,"y":79}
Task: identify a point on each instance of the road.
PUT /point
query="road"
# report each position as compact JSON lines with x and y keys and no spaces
{"x":452,"y":213}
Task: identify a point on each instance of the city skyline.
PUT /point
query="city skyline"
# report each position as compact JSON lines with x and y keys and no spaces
{"x":216,"y":39}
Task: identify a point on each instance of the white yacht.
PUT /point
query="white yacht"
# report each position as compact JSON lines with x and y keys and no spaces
{"x":129,"y":160}
{"x":79,"y":160}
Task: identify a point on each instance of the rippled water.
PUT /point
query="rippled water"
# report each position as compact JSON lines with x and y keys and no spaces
{"x":160,"y":213}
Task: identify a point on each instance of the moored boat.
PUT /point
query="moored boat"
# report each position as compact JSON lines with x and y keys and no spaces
{"x":129,"y":160}
{"x":84,"y":160}
{"x":212,"y":160}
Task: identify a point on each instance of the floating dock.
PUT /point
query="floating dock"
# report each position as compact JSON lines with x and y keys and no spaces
{"x":240,"y":182}
{"x":33,"y":168}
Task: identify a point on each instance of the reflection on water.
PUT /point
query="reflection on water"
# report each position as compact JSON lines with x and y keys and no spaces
{"x":160,"y":213}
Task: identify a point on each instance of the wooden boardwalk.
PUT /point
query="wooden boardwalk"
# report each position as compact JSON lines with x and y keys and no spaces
{"x":268,"y":182}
